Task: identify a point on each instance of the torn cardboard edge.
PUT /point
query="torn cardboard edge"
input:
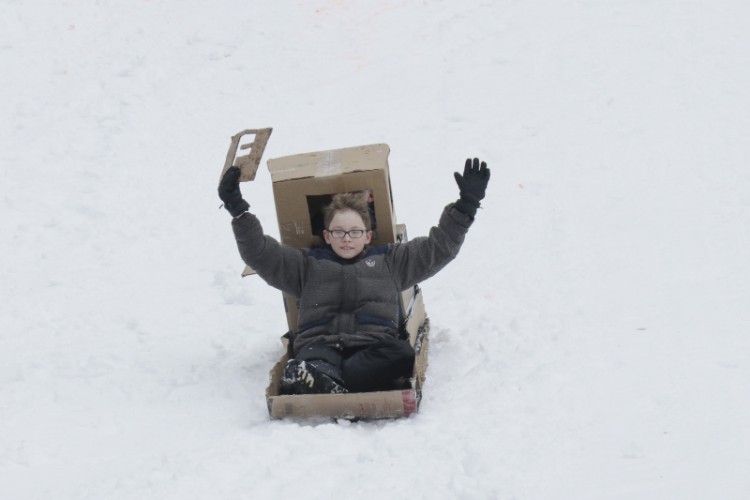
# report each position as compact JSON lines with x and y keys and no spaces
{"x":248,"y":164}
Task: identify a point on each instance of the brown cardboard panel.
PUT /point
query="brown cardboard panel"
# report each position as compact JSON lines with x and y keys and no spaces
{"x":333,"y":162}
{"x":423,"y":353}
{"x":418,"y":315}
{"x":302,"y":182}
{"x":248,"y":164}
{"x":365,"y":405}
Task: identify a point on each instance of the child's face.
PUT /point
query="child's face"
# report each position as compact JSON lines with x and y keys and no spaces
{"x":347,"y":247}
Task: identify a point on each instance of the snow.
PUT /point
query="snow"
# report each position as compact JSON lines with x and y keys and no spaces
{"x":590,"y":341}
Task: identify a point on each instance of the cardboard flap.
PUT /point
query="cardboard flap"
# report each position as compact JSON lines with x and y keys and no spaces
{"x":247,"y":164}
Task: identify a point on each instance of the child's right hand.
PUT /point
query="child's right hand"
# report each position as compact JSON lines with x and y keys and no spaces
{"x":230,"y":194}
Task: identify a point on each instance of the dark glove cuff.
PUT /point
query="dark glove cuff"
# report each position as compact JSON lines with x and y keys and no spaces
{"x":469,"y":206}
{"x":236,"y":210}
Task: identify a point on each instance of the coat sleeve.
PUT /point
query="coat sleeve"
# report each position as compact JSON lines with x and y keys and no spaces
{"x":280,"y":266}
{"x":421,"y":258}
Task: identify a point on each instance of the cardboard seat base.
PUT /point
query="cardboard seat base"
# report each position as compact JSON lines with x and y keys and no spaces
{"x":357,"y":405}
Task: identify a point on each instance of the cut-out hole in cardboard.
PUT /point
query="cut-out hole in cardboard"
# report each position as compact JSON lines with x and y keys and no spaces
{"x":317,"y":203}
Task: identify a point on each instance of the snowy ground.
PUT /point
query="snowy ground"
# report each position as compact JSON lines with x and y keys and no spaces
{"x":591,"y":340}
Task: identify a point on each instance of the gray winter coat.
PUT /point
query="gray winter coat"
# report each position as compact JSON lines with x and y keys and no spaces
{"x":349,"y":303}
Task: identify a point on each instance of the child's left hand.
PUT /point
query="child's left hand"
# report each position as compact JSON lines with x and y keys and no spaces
{"x":473,"y":183}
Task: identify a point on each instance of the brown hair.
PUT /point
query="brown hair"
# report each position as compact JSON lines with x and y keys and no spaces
{"x":356,"y":201}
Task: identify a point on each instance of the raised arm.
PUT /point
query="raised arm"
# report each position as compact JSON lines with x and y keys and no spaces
{"x":280,"y":266}
{"x":422,"y":257}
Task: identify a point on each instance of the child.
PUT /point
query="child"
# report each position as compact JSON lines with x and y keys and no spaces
{"x":348,"y":334}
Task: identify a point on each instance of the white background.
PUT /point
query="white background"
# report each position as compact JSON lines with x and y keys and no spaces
{"x":589,"y":342}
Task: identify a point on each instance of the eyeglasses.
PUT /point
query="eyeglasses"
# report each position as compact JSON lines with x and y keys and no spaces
{"x":353,"y":233}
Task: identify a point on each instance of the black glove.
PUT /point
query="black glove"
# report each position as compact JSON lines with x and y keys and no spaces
{"x":472,"y":185}
{"x":229,"y":192}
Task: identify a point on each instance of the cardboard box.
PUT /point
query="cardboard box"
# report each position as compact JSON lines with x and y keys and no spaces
{"x":304,"y":184}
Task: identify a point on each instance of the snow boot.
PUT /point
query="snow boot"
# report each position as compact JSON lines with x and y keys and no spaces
{"x":311,"y":377}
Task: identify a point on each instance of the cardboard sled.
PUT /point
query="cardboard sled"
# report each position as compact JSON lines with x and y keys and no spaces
{"x":302,"y":185}
{"x":359,"y":405}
